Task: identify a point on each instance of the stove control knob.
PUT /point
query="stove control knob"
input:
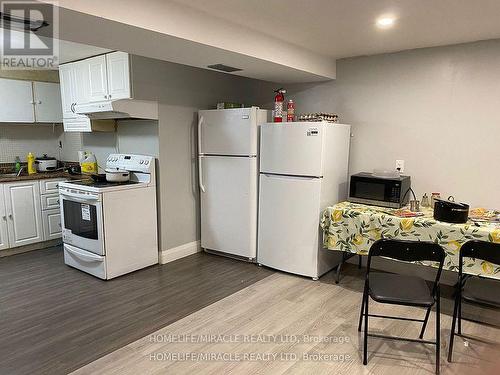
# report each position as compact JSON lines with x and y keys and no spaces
{"x":146,"y":162}
{"x":141,"y":162}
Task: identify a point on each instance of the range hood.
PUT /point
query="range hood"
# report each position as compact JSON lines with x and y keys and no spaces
{"x":119,"y":109}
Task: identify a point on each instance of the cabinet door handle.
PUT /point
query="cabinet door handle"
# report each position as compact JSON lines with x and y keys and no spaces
{"x":10,"y":216}
{"x":105,"y":96}
{"x":73,"y":107}
{"x":109,"y":96}
{"x":39,"y":102}
{"x":4,"y":217}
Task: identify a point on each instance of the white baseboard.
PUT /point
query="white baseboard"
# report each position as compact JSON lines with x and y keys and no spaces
{"x":169,"y":255}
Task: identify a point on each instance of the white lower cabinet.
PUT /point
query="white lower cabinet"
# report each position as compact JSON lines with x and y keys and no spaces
{"x":24,"y":216}
{"x":29,"y":212}
{"x":4,"y":236}
{"x":51,"y":224}
{"x":51,"y":214}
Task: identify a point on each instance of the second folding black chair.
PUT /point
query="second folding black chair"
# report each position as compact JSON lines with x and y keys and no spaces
{"x":474,"y":289}
{"x":405,"y":290}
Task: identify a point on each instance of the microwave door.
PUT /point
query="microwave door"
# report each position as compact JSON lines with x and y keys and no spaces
{"x":369,"y":190}
{"x":375,"y":191}
{"x":81,"y":219}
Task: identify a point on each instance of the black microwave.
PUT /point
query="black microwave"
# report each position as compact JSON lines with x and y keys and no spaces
{"x":390,"y":192}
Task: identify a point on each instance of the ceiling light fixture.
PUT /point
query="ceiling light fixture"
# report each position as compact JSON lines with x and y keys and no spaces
{"x":385,"y":22}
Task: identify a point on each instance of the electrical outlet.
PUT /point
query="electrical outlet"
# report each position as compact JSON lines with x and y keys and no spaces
{"x":400,"y":165}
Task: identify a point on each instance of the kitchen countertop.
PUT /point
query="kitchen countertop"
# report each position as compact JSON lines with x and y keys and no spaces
{"x":41,"y":176}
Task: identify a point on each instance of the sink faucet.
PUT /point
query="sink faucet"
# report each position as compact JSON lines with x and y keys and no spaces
{"x":20,"y":171}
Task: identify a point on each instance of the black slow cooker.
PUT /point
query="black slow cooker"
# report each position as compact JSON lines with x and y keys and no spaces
{"x":450,"y":211}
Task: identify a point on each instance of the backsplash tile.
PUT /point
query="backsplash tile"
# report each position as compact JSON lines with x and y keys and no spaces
{"x":19,"y":139}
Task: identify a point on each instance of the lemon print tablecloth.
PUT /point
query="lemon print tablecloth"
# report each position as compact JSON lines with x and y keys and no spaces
{"x":354,"y":227}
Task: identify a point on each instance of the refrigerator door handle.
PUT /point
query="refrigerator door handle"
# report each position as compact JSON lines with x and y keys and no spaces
{"x":200,"y":164}
{"x":200,"y":173}
{"x":200,"y":122}
{"x":284,"y":176}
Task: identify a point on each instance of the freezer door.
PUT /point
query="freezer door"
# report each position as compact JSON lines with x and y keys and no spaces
{"x":228,"y":131}
{"x":288,"y":223}
{"x":229,"y":205}
{"x":292,"y":149}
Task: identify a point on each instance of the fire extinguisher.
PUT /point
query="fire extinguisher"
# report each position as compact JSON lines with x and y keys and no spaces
{"x":279,"y":99}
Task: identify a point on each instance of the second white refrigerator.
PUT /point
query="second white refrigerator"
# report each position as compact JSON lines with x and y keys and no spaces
{"x":228,"y":174}
{"x":303,"y":169}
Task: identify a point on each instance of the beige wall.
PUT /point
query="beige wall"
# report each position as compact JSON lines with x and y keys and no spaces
{"x":436,"y":108}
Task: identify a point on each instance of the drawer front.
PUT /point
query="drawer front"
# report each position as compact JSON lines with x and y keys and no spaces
{"x":50,"y":186}
{"x":50,"y":201}
{"x":51,"y":225}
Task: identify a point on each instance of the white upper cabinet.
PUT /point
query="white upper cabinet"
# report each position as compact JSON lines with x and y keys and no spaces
{"x":82,"y":82}
{"x":74,"y":79}
{"x":67,"y":77}
{"x":16,"y":104}
{"x":98,"y":78}
{"x":47,"y":97}
{"x":118,"y":69}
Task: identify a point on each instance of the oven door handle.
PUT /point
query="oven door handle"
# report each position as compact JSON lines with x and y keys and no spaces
{"x":83,"y":255}
{"x":80,"y":198}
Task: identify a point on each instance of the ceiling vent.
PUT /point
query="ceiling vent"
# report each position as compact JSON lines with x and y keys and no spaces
{"x":224,"y":68}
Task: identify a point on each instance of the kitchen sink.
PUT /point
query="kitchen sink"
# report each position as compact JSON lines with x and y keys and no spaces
{"x":8,"y":175}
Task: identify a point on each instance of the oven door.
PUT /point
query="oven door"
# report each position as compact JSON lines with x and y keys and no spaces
{"x":82,"y":220}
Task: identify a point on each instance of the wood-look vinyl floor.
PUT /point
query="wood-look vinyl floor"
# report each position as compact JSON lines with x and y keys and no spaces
{"x":55,"y":319}
{"x":286,"y":310}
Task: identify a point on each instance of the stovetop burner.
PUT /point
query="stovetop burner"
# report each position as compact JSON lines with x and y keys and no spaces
{"x":101,"y":184}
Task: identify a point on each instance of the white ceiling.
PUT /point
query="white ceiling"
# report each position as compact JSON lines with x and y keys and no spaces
{"x":275,"y":40}
{"x":345,"y":28}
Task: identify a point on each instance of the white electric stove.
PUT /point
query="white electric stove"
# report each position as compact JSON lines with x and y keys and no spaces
{"x":110,"y":228}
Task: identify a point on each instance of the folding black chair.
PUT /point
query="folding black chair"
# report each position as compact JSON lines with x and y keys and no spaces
{"x":402,"y":289}
{"x":474,"y":289}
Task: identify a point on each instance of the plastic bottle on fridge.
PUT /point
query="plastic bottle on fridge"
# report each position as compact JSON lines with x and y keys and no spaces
{"x":290,"y":111}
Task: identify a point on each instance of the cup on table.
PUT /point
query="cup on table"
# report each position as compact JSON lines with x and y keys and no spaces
{"x":415,"y":205}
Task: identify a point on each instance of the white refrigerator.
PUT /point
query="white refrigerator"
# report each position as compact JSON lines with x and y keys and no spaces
{"x":228,"y":179}
{"x":303,"y":169}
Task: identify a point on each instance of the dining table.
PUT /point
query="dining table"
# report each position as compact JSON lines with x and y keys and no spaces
{"x":352,"y":228}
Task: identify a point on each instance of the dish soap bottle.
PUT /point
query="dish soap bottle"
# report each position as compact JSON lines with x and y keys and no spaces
{"x":88,"y":163}
{"x":18,"y":164}
{"x":31,"y":163}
